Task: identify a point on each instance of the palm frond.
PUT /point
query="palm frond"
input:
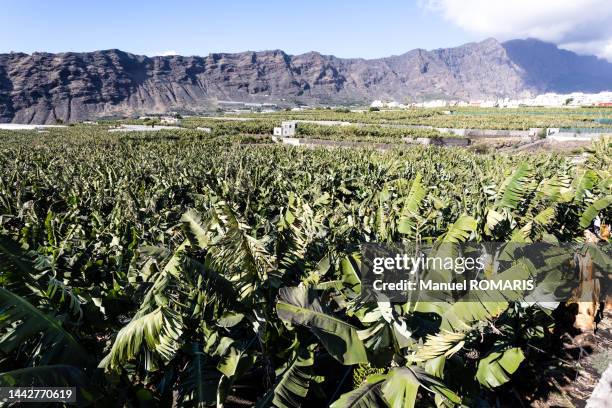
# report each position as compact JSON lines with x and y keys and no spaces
{"x":411,"y":206}
{"x":367,"y":395}
{"x":293,"y":383}
{"x":157,"y":332}
{"x":192,"y":226}
{"x":583,"y":184}
{"x":198,"y":382}
{"x":514,"y":188}
{"x":299,"y":305}
{"x":20,"y":322}
{"x":60,"y":293}
{"x":16,"y":266}
{"x":589,"y":214}
{"x":495,"y":369}
{"x":242,"y":256}
{"x":460,"y":230}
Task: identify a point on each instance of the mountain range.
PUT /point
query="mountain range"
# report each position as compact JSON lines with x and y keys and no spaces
{"x":44,"y":87}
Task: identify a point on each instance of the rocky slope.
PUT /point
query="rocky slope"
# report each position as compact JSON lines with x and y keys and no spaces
{"x":42,"y":87}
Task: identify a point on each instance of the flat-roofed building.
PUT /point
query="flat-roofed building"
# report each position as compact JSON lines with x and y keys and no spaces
{"x":287,"y":129}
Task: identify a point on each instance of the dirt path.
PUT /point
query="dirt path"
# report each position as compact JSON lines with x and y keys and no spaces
{"x":592,"y":357}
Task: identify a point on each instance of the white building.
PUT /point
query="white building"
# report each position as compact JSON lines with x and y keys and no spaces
{"x":287,"y":129}
{"x":169,"y":120}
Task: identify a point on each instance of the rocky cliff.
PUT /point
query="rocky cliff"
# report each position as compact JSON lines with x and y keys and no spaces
{"x":42,"y":87}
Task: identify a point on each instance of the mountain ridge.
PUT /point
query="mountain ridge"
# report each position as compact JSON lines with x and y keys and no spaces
{"x":72,"y":86}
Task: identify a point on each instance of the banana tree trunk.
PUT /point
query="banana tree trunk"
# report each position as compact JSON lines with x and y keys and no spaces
{"x":586,"y":295}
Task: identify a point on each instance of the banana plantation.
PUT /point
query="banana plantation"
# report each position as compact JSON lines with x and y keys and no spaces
{"x":181,"y":269}
{"x":458,"y":117}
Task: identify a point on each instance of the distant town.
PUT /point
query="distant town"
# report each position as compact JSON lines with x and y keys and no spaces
{"x":572,"y":100}
{"x":549,"y":100}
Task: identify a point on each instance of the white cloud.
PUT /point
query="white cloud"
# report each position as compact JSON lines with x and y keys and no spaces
{"x":607,"y":51}
{"x":601,"y":48}
{"x":166,"y":53}
{"x":584,"y":26}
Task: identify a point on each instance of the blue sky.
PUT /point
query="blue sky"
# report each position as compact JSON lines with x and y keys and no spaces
{"x":346,"y":28}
